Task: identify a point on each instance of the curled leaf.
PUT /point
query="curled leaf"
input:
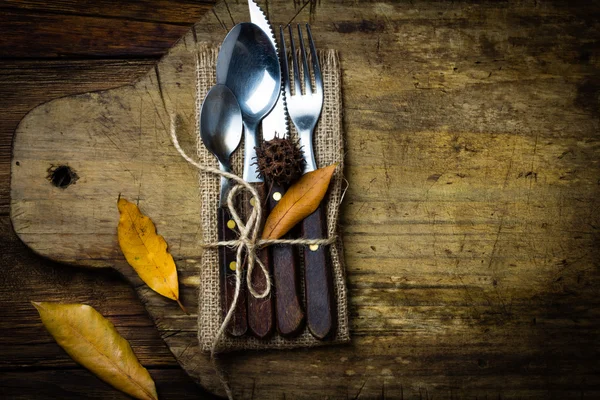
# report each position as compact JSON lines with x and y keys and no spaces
{"x":92,"y":341}
{"x":146,"y":251}
{"x":301,"y":200}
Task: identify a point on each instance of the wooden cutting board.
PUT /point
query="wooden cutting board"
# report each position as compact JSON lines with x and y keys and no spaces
{"x":471,"y":141}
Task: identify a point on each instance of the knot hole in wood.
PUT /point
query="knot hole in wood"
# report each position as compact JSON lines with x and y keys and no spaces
{"x":62,"y":176}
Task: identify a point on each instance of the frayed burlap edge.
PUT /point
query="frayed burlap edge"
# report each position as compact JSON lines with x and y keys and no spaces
{"x":329,"y":149}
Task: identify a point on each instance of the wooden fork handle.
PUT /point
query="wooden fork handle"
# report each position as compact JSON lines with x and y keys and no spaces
{"x":227,"y":261}
{"x":260,"y":311}
{"x":284,"y":257}
{"x":317,"y":276}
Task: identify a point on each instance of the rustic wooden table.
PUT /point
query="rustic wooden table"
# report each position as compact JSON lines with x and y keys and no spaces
{"x":471,"y":221}
{"x":49,"y":50}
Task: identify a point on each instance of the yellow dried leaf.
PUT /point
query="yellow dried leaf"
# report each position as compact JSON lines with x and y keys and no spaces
{"x":92,"y":341}
{"x":146,"y":251}
{"x":301,"y":200}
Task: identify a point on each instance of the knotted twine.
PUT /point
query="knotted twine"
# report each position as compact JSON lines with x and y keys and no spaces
{"x":328,"y":143}
{"x":248,"y":235}
{"x":247,"y":240}
{"x":329,"y":148}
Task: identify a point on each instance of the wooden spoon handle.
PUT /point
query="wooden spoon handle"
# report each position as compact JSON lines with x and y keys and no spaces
{"x":227,"y":262}
{"x":288,"y":311}
{"x":260,"y":311}
{"x":317,"y":276}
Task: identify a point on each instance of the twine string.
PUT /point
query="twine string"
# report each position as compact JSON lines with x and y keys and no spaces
{"x":248,"y":236}
{"x":247,"y":239}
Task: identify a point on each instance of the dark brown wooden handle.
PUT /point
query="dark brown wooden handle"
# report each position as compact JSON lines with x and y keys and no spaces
{"x":284,"y":258}
{"x":260,"y":311}
{"x":317,"y":276}
{"x":227,"y":231}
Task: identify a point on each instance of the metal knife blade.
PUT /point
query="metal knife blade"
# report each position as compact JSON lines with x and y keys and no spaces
{"x":258,"y":17}
{"x":288,"y":310}
{"x":276,"y":123}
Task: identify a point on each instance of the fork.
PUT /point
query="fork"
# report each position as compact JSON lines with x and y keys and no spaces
{"x":304,"y":109}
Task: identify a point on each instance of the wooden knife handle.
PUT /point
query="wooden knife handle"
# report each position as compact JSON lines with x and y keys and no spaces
{"x":317,"y":276}
{"x":260,"y":311}
{"x":226,"y":225}
{"x":284,"y":258}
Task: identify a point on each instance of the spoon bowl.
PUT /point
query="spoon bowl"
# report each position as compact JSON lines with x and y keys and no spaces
{"x":248,"y":65}
{"x":221,"y":128}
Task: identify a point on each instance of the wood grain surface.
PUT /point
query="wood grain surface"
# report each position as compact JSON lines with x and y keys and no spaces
{"x":31,"y":73}
{"x":470,"y":223}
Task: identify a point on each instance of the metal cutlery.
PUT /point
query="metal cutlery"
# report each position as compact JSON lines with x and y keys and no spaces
{"x":304,"y":110}
{"x":249,"y":89}
{"x":249,"y":66}
{"x":221,"y":133}
{"x":288,"y":310}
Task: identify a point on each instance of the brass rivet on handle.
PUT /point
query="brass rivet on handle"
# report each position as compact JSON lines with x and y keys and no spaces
{"x":231,"y":224}
{"x":276,"y":196}
{"x":232,"y":265}
{"x":253,"y":202}
{"x":314,"y":247}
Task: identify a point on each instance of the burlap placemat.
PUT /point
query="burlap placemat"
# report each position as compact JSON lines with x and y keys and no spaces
{"x":329,"y":149}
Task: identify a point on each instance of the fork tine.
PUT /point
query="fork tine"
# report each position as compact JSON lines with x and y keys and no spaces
{"x":285,"y":70}
{"x":297,"y":88}
{"x":315,"y":62}
{"x":307,"y":84}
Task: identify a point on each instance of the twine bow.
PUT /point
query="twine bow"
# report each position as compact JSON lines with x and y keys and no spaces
{"x":248,"y":239}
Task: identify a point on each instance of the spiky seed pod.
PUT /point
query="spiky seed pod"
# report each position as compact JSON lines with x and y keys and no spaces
{"x":280,"y":160}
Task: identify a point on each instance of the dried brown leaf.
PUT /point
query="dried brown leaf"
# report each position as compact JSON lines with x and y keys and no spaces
{"x":301,"y":200}
{"x":92,"y":341}
{"x":146,"y":251}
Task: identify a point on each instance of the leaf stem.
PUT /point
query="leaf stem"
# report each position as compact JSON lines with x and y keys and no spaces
{"x":182,"y":307}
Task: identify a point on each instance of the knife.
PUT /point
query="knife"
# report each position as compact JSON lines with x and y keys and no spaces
{"x":288,"y":311}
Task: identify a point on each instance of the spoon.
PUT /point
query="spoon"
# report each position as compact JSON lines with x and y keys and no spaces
{"x":221,"y":129}
{"x":248,"y":64}
{"x":221,"y":133}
